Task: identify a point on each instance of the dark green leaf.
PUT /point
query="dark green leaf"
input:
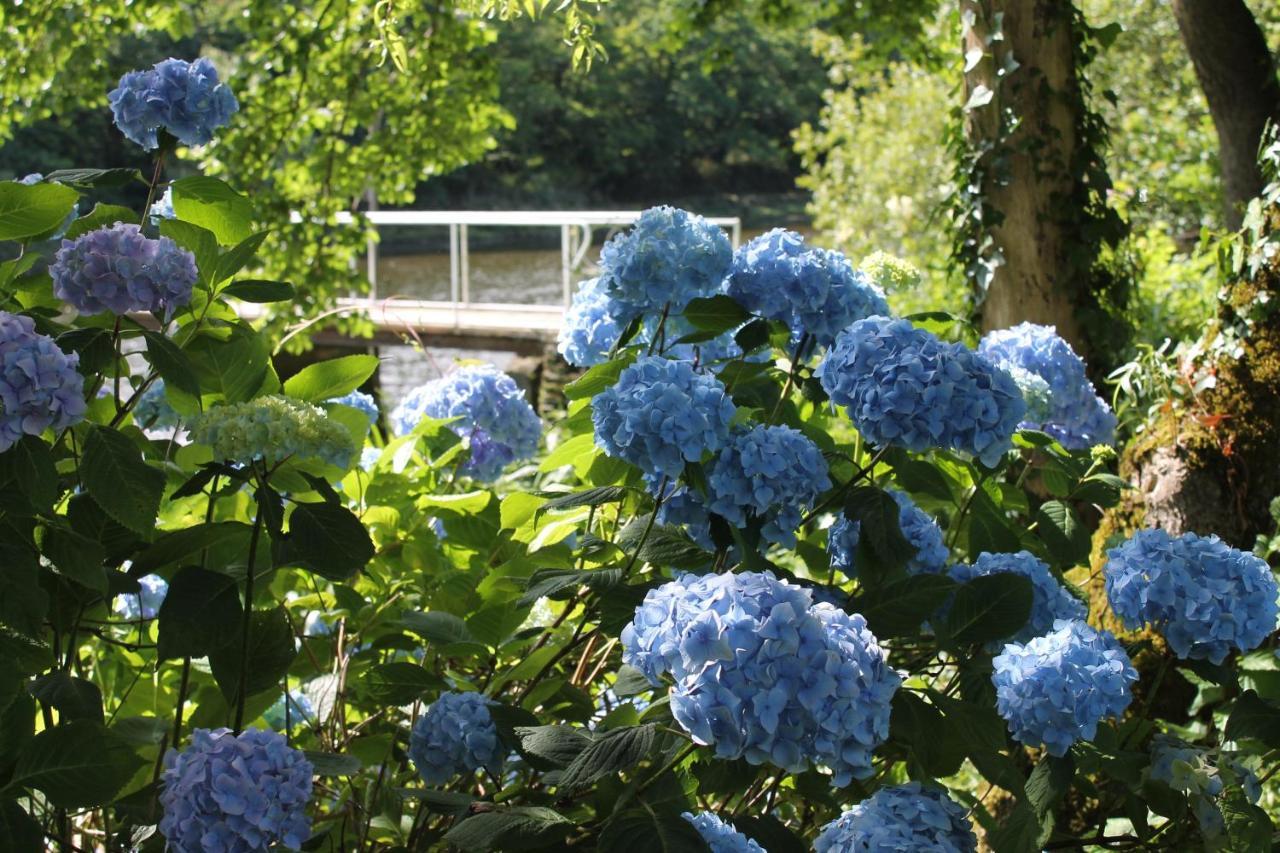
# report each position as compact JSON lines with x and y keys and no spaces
{"x":76,"y":557}
{"x":171,"y":363}
{"x":1249,"y":827}
{"x":716,"y":313}
{"x":770,"y":833}
{"x":591,"y":497}
{"x":260,"y":291}
{"x":556,"y":745}
{"x":102,"y":216}
{"x":752,"y":336}
{"x":178,"y":546}
{"x":612,"y":752}
{"x":329,"y":540}
{"x":235,"y":259}
{"x":29,"y":465}
{"x":598,"y":378}
{"x":631,"y":681}
{"x":200,"y":242}
{"x":78,"y":764}
{"x":336,"y":377}
{"x":271,"y":650}
{"x":94,"y":177}
{"x":1066,"y":538}
{"x":400,"y":682}
{"x":1256,"y":718}
{"x":73,"y":697}
{"x":116,"y":477}
{"x":646,"y":831}
{"x":440,"y":802}
{"x":1046,"y":788}
{"x":897,"y":608}
{"x":235,"y":367}
{"x":333,"y":763}
{"x":199,"y":613}
{"x":1019,"y":832}
{"x":545,"y":582}
{"x":19,"y":830}
{"x":28,"y":211}
{"x":981,"y":728}
{"x":990,"y":608}
{"x":666,"y":545}
{"x":92,"y":345}
{"x":936,"y":749}
{"x":989,"y":529}
{"x":877,"y":513}
{"x":445,"y":630}
{"x":520,"y":828}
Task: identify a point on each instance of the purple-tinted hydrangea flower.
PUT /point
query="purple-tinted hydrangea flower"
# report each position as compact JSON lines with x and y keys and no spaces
{"x":456,"y":735}
{"x":1055,"y":689}
{"x":761,"y":672}
{"x":241,"y":793}
{"x":919,"y":528}
{"x":814,"y":291}
{"x":768,"y":473}
{"x":1203,"y":596}
{"x":660,"y":414}
{"x":300,"y":711}
{"x":904,"y":818}
{"x":493,"y":414}
{"x":667,"y":258}
{"x":360,"y":401}
{"x":39,"y":385}
{"x":720,"y":836}
{"x":904,"y":387}
{"x":184,"y":98}
{"x":145,"y":603}
{"x":1071,"y":412}
{"x":1050,"y":600}
{"x":117,"y":269}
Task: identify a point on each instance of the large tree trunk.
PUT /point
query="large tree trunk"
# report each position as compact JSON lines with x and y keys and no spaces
{"x":1038,"y":258}
{"x":1238,"y":76}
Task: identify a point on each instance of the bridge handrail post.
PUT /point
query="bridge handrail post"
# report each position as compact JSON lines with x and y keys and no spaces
{"x":454,"y":274}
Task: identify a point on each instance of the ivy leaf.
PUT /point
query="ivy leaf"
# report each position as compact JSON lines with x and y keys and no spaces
{"x":116,"y":477}
{"x":519,"y":828}
{"x":989,"y":608}
{"x":336,"y":377}
{"x":78,"y":764}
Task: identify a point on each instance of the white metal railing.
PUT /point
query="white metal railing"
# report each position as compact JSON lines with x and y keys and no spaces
{"x":575,"y":241}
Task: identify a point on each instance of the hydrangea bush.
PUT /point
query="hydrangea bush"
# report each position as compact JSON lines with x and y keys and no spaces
{"x":784,"y":572}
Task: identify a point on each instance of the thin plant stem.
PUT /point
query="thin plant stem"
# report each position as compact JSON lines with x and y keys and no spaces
{"x":247,"y":621}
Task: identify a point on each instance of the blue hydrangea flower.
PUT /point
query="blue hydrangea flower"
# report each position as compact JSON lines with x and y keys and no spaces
{"x":660,"y":414}
{"x":919,"y":528}
{"x":360,"y":401}
{"x":39,"y":385}
{"x":456,"y":735}
{"x":162,"y":208}
{"x":902,"y":386}
{"x":591,"y":326}
{"x":152,"y":411}
{"x":1192,"y":771}
{"x":184,"y":98}
{"x":493,"y":415}
{"x":143,"y":604}
{"x":301,"y":711}
{"x":35,"y":178}
{"x":768,"y":473}
{"x":906,"y":817}
{"x":1076,"y":416}
{"x":316,"y":625}
{"x":761,"y":672}
{"x":669,"y":257}
{"x":1203,"y":596}
{"x":1050,"y":600}
{"x":1055,"y":689}
{"x":117,"y":269}
{"x":814,"y":291}
{"x":240,"y":793}
{"x":721,"y":837}
{"x":682,"y":506}
{"x":272,"y":429}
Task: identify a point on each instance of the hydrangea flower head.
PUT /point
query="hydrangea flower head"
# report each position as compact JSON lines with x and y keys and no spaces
{"x":721,"y":837}
{"x":591,"y":326}
{"x":272,"y":429}
{"x":903,"y":386}
{"x":1055,"y":689}
{"x":360,"y":401}
{"x":301,"y":711}
{"x":769,"y":473}
{"x":493,"y":414}
{"x":184,"y":98}
{"x":455,"y":736}
{"x":890,"y":273}
{"x":1191,"y":771}
{"x":143,"y":604}
{"x":39,"y":385}
{"x":904,"y":817}
{"x":667,"y":258}
{"x":152,"y":411}
{"x":814,"y":291}
{"x":242,"y":793}
{"x":1203,"y":596}
{"x":660,"y":414}
{"x":1050,"y":600}
{"x":919,"y":528}
{"x":1076,"y":416}
{"x":162,"y":208}
{"x":763,"y":673}
{"x":117,"y":269}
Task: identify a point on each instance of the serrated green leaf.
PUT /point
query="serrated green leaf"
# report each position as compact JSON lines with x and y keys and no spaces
{"x":28,"y":211}
{"x":989,"y":608}
{"x":79,"y":764}
{"x":120,"y":482}
{"x":212,"y":204}
{"x":335,"y":377}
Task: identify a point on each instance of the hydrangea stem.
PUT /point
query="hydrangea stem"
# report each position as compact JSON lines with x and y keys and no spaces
{"x":648,"y":527}
{"x":791,"y":376}
{"x":247,"y":622}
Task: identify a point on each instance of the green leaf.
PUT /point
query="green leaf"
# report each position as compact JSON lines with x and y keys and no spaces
{"x":1249,"y":827}
{"x":989,"y":529}
{"x":92,"y":345}
{"x":1046,"y":788}
{"x":936,"y":749}
{"x":1017,"y":833}
{"x":235,"y":259}
{"x":591,"y":497}
{"x":21,"y":832}
{"x":116,"y":477}
{"x":79,"y":764}
{"x":336,"y":377}
{"x":718,"y":313}
{"x":333,"y":763}
{"x":990,"y":608}
{"x":519,"y":828}
{"x":556,"y":745}
{"x":645,"y":831}
{"x":260,"y":291}
{"x":612,"y":752}
{"x":29,"y":465}
{"x":981,"y":729}
{"x":329,"y":540}
{"x":28,"y":211}
{"x":173,"y":365}
{"x":598,"y":378}
{"x":178,"y":545}
{"x":200,"y":242}
{"x":666,"y":545}
{"x":445,"y":630}
{"x":76,"y":557}
{"x":1062,"y":532}
{"x":199,"y":613}
{"x":440,"y":802}
{"x":1256,"y":718}
{"x":271,"y":650}
{"x":770,"y":833}
{"x":752,"y":336}
{"x":102,"y":216}
{"x":73,"y":697}
{"x":897,"y":608}
{"x":877,"y":513}
{"x":95,"y":177}
{"x":545,"y":582}
{"x":235,"y":367}
{"x":210,"y":203}
{"x":400,"y":682}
